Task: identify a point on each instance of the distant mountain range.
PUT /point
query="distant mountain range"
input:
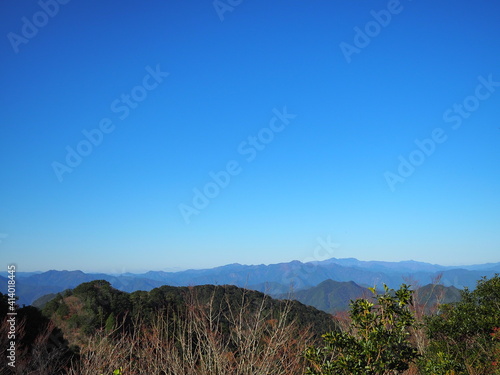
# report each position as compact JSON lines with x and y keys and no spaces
{"x":275,"y":279}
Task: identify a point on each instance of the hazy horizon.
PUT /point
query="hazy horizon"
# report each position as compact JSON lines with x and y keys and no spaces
{"x":178,"y":269}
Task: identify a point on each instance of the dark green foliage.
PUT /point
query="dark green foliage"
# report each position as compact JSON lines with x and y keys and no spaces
{"x":110,"y":323}
{"x":62,"y":310}
{"x":52,"y":305}
{"x":377,"y":342}
{"x":461,"y":335}
{"x":99,"y":301}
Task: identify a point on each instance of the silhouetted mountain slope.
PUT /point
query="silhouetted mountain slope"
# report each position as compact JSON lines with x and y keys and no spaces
{"x":429,"y":296}
{"x":41,"y":301}
{"x":333,"y":296}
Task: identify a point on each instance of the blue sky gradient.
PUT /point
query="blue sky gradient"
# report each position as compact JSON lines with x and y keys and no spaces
{"x":325,"y":173}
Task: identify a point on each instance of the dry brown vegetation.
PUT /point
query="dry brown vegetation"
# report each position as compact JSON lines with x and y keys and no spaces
{"x":252,"y":343}
{"x":45,"y":356}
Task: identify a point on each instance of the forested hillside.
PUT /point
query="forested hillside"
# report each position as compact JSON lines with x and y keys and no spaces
{"x":92,"y":306}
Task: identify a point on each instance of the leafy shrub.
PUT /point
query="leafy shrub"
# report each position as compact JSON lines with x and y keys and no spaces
{"x":377,"y":341}
{"x":463,"y":336}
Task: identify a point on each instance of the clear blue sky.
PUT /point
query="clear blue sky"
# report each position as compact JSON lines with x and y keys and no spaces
{"x":328,"y":171}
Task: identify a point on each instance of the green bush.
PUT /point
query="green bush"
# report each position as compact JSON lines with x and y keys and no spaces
{"x":376,"y":343}
{"x":462,"y":337}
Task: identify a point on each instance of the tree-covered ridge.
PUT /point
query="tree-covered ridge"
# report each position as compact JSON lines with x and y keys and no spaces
{"x":215,"y":328}
{"x":88,"y":307}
